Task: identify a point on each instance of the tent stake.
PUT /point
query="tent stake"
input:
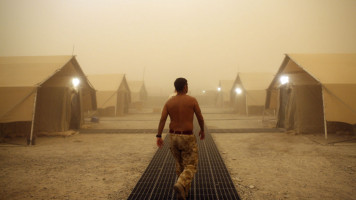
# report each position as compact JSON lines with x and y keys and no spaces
{"x":33,"y":117}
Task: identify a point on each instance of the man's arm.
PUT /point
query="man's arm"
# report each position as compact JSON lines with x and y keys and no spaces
{"x":161,"y":124}
{"x":200,"y":119}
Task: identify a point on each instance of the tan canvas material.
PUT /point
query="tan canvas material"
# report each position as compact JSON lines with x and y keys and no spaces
{"x":138,"y":91}
{"x":40,"y":88}
{"x":113,"y":93}
{"x":138,"y":94}
{"x":16,"y":103}
{"x":254,"y":86}
{"x":334,"y":100}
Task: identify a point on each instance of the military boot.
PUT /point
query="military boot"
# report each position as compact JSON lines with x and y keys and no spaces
{"x":179,"y":188}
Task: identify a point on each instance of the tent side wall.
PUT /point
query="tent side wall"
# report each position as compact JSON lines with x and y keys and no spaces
{"x":340,"y":108}
{"x":309,"y":109}
{"x":301,"y":109}
{"x":88,"y":100}
{"x":16,"y":110}
{"x":106,"y":101}
{"x":339,"y":100}
{"x":16,"y":103}
{"x":15,"y":129}
{"x":255,"y":100}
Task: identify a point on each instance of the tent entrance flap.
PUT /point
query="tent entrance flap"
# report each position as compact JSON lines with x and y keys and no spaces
{"x":75,"y":116}
{"x":53,"y":111}
{"x":283,"y":102}
{"x":239,"y":102}
{"x":301,"y":109}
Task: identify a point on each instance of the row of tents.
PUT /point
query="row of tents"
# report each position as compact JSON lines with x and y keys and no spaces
{"x":39,"y":94}
{"x":42,"y":94}
{"x":310,"y":93}
{"x":115,"y":94}
{"x":246,"y":94}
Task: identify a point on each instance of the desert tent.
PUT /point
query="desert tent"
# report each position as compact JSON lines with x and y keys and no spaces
{"x":138,"y":93}
{"x":248,"y":94}
{"x":38,"y":95}
{"x":223,"y":99}
{"x":113,"y":94}
{"x":315,"y":92}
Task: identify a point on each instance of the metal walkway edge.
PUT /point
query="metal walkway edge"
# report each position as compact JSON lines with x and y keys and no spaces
{"x":212,"y":180}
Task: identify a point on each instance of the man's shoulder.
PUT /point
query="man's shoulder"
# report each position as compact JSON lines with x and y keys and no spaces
{"x":169,"y":100}
{"x":190,"y":96}
{"x":175,"y":99}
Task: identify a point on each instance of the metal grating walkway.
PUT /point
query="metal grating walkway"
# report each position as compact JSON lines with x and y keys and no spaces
{"x":212,"y":180}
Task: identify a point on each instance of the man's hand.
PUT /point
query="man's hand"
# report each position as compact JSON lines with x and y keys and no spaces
{"x":160,"y":142}
{"x":201,"y":134}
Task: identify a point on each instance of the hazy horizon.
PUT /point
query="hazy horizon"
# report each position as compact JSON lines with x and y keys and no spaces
{"x":203,"y":41}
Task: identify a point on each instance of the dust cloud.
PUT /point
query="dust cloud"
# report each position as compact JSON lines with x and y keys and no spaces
{"x":157,"y":41}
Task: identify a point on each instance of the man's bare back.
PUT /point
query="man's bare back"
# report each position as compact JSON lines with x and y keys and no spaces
{"x":181,"y":109}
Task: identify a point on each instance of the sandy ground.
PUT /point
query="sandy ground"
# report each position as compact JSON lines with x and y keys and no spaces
{"x":281,"y":166}
{"x":82,"y":166}
{"x":108,"y":166}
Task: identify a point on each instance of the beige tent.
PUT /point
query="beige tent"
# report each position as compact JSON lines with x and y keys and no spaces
{"x":37,"y":95}
{"x":248,"y":94}
{"x":224,"y":91}
{"x":113,"y":94}
{"x":138,"y":93}
{"x":320,"y":95}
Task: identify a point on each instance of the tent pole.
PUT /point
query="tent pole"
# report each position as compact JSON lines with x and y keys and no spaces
{"x":33,"y":117}
{"x":325,"y":125}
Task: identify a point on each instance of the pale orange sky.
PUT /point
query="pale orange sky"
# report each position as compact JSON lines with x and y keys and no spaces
{"x":202,"y":40}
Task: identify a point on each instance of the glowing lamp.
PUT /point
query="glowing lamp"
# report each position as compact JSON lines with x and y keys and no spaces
{"x":75,"y":82}
{"x":238,"y":90}
{"x":284,"y":79}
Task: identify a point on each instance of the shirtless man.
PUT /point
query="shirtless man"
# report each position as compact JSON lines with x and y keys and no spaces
{"x":181,"y":109}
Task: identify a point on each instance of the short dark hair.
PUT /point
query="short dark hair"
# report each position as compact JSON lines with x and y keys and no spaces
{"x":180,"y":83}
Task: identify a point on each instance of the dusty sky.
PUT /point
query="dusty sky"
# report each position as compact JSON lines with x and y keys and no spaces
{"x":202,"y":40}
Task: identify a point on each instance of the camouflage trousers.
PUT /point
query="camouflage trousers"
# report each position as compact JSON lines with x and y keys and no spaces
{"x":185,"y":152}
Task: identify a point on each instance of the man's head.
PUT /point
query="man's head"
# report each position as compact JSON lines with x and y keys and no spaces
{"x":180,"y":84}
